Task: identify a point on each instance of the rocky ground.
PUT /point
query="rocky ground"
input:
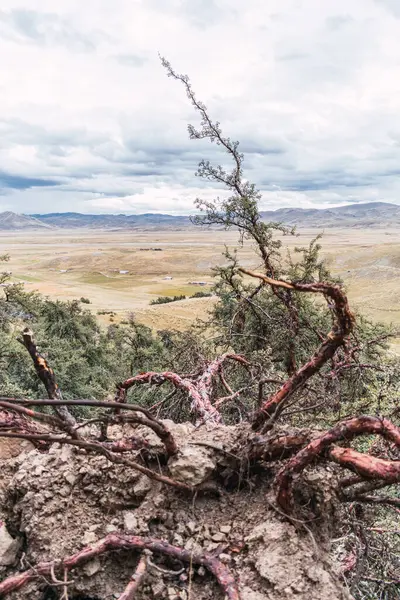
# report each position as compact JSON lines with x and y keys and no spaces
{"x":56,"y":502}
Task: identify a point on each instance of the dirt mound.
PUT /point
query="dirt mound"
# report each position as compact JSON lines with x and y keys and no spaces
{"x":56,"y":503}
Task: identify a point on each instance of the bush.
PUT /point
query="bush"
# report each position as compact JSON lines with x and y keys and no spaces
{"x":201,"y":295}
{"x":167,"y":299}
{"x":85,"y":300}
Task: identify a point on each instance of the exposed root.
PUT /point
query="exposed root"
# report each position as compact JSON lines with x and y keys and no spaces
{"x":201,"y":404}
{"x":363,"y":464}
{"x":369,"y":499}
{"x":199,"y":389}
{"x":210,"y":561}
{"x":342,"y":327}
{"x":136,"y":580}
{"x":146,"y":419}
{"x":100,"y":448}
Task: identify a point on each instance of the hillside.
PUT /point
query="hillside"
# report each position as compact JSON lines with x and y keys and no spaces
{"x":11,"y":221}
{"x":372,"y":214}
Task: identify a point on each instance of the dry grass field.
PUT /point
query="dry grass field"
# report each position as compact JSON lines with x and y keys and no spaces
{"x":123,"y":271}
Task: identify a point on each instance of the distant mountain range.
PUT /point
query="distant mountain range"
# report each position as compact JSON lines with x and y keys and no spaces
{"x":73,"y":220}
{"x":372,"y":214}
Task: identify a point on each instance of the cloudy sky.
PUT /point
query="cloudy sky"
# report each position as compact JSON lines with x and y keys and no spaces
{"x":89,"y":121}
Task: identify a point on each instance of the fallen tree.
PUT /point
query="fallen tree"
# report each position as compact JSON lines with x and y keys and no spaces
{"x":305,"y":448}
{"x":277,"y":487}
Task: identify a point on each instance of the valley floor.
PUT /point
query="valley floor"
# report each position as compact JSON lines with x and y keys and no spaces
{"x":122,"y":271}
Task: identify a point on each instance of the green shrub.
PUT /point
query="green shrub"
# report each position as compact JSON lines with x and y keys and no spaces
{"x":167,"y":299}
{"x":201,"y":294}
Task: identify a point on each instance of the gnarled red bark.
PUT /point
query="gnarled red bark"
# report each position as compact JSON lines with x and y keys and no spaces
{"x":201,"y":404}
{"x":278,"y":447}
{"x":199,"y":391}
{"x":366,"y":465}
{"x":136,"y":580}
{"x":346,"y":430}
{"x":342,"y":327}
{"x":113,"y":541}
{"x":31,"y":414}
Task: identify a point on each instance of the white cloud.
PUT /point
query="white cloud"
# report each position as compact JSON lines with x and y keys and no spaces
{"x":90,"y":122}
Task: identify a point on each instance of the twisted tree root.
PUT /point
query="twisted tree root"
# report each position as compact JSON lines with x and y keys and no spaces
{"x":341,"y":328}
{"x":201,"y":404}
{"x":364,"y":464}
{"x":199,"y":391}
{"x":114,"y":541}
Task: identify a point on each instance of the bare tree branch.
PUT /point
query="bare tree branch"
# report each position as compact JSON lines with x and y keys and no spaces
{"x":147,"y":419}
{"x":47,"y":377}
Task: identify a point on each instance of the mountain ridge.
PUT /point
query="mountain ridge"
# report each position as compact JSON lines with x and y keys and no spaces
{"x":10,"y":221}
{"x":371,"y":214}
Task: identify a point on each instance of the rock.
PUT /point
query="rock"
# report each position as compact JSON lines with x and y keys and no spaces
{"x":92,"y":567}
{"x":89,"y":537}
{"x":179,"y":430}
{"x":159,"y":500}
{"x":249,"y":594}
{"x":110,"y":528}
{"x":191,"y":526}
{"x":225,"y":529}
{"x":193,"y":546}
{"x":212,"y":546}
{"x":8,"y":547}
{"x":225,"y":558}
{"x":178,"y":540}
{"x":218,"y":537}
{"x":70,"y":477}
{"x":130,"y":521}
{"x":66,"y":455}
{"x":142,"y":487}
{"x":10,"y":448}
{"x":158,"y":589}
{"x":192,"y":465}
{"x":39,"y":470}
{"x":268,"y":532}
{"x":172,"y":595}
{"x":180,"y":528}
{"x":65,"y":491}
